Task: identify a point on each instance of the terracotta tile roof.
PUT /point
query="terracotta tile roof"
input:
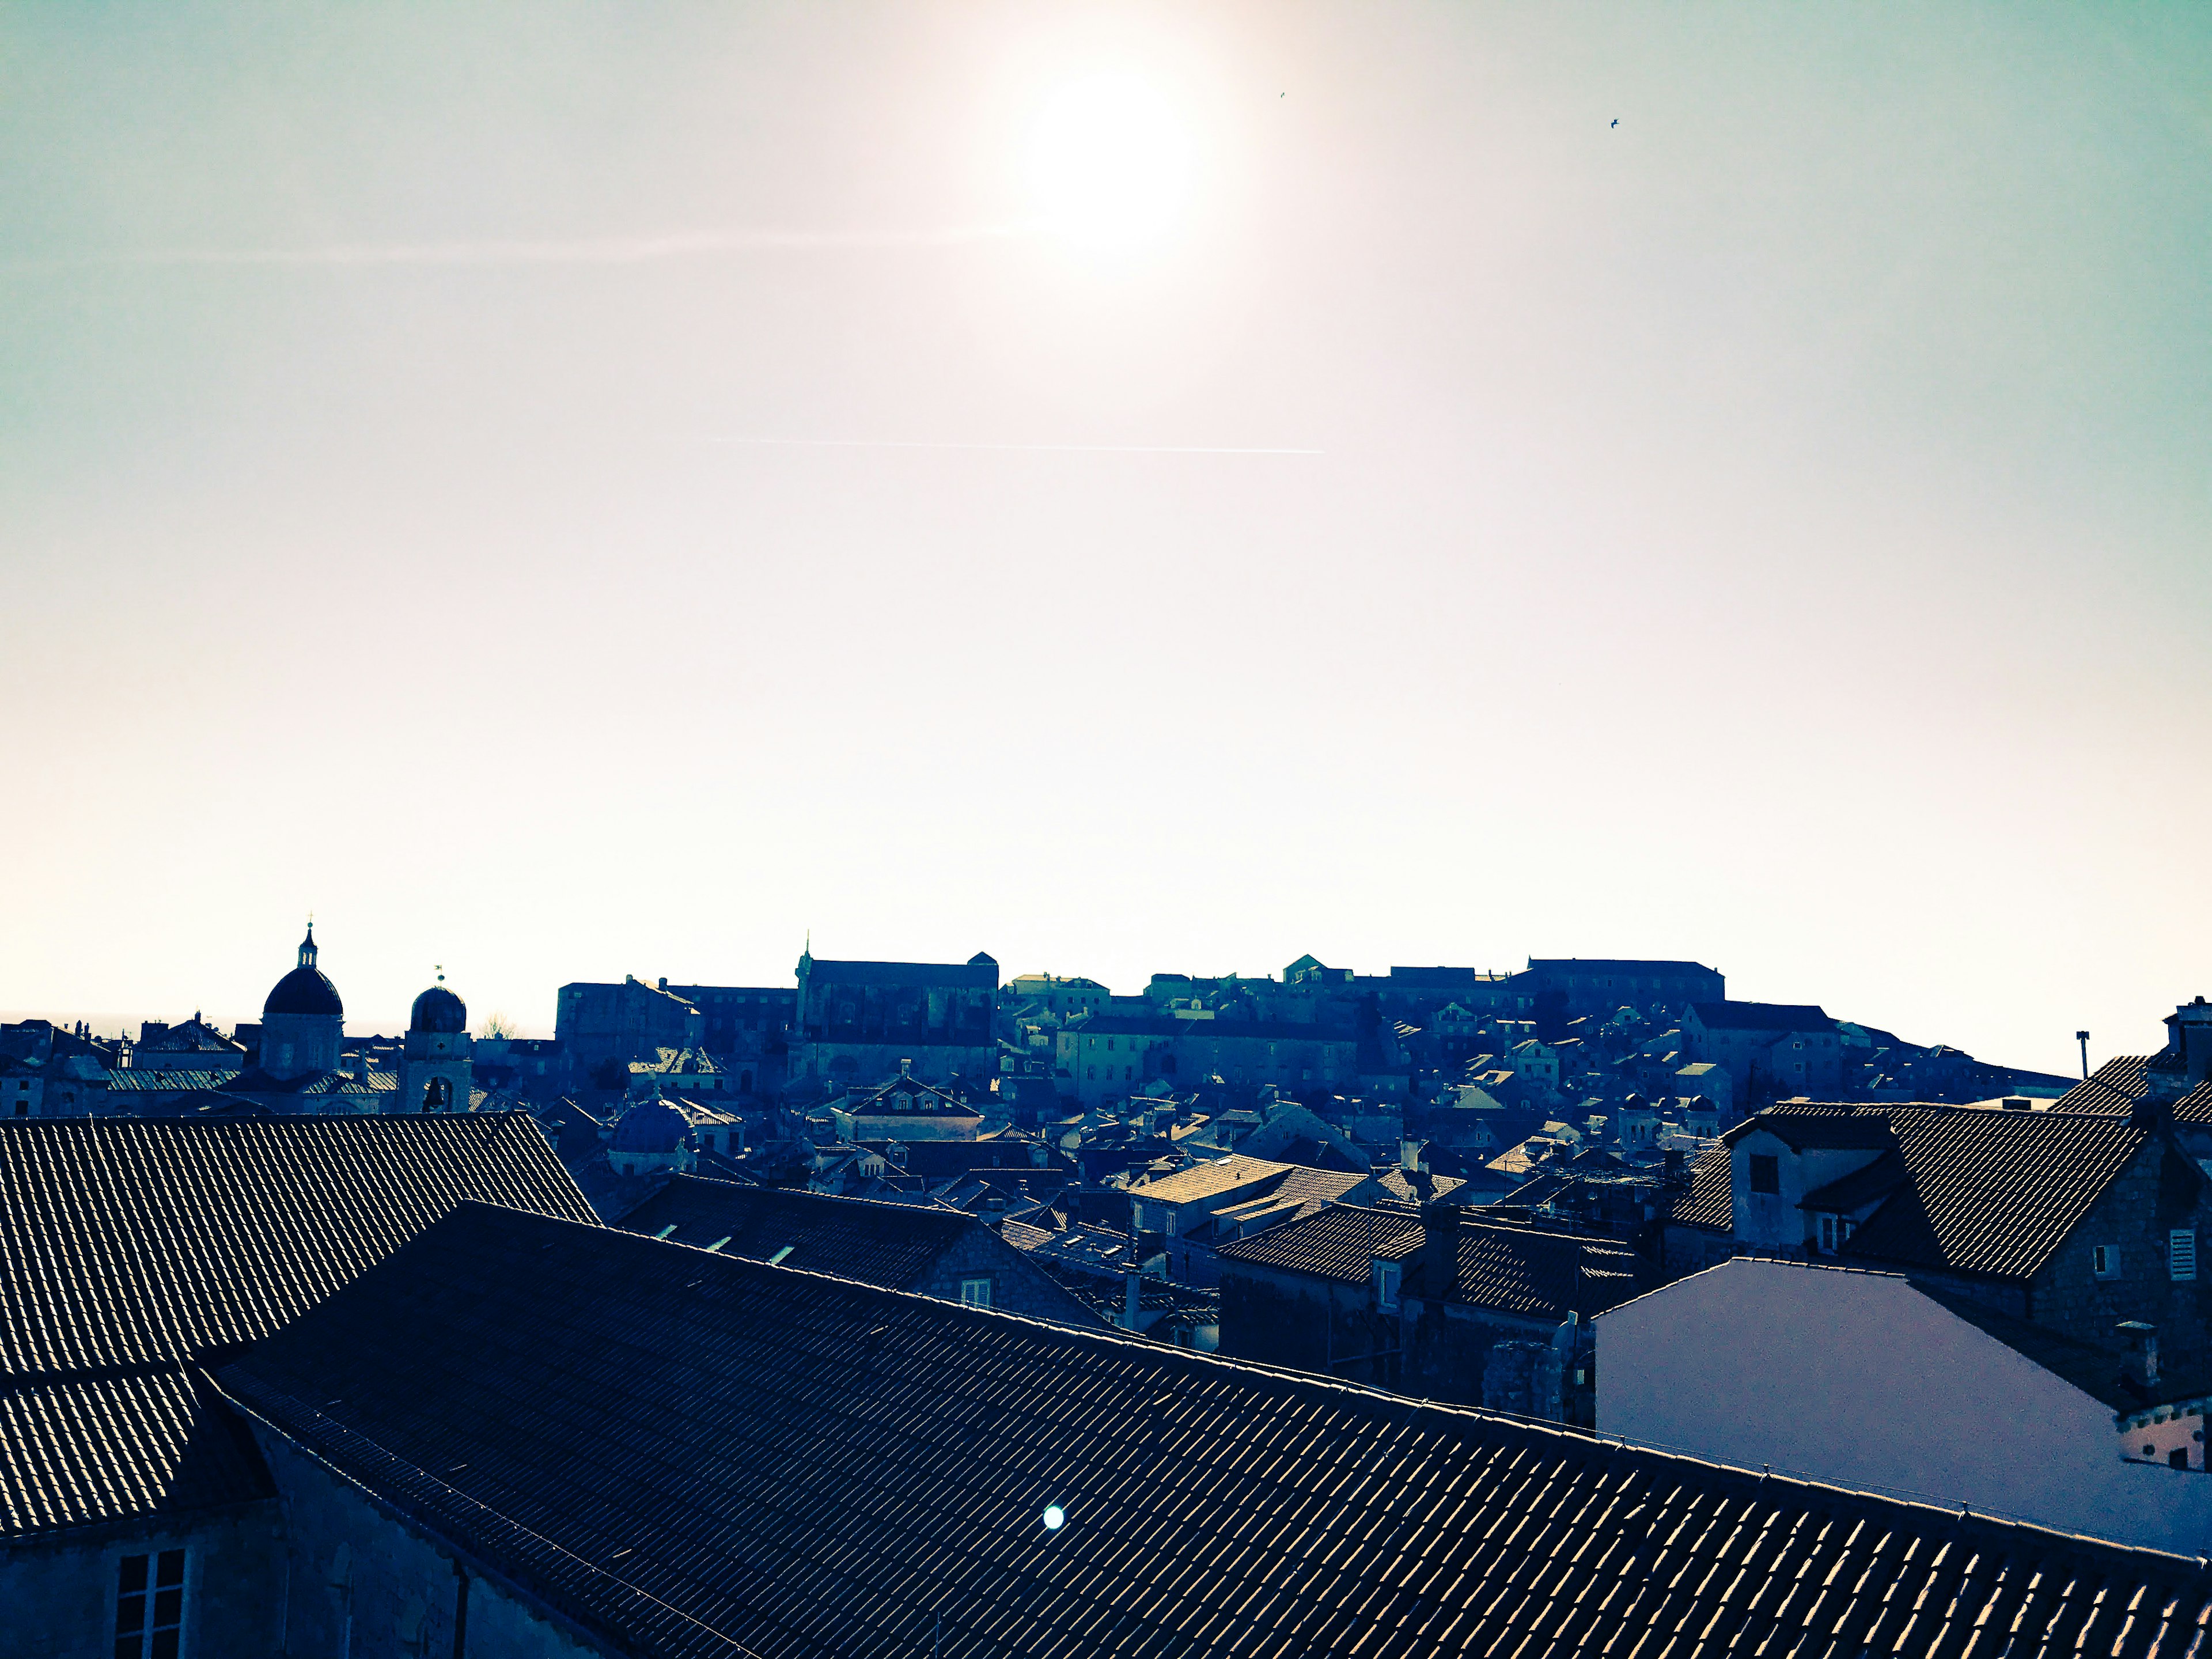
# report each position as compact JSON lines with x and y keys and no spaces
{"x":1209,"y":1180}
{"x":691,"y":1454}
{"x":1981,"y":1192}
{"x":1417,"y":1188}
{"x":131,"y":1080}
{"x":1993,"y":1192}
{"x":875,"y":1243}
{"x":133,"y":1248}
{"x":2121,"y":1081}
{"x":1708,"y":1202}
{"x":1338,"y":1243}
{"x":127,"y":1443}
{"x":1513,"y":1269}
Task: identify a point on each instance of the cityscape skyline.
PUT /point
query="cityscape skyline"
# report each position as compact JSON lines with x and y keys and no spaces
{"x":1768,"y":531}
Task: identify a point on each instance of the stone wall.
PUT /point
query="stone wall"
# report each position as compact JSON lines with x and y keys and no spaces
{"x":367,"y":1585}
{"x":1448,"y":1352}
{"x":1018,"y":1283}
{"x":58,"y":1594}
{"x":1306,"y":1323}
{"x":2161,"y":1192}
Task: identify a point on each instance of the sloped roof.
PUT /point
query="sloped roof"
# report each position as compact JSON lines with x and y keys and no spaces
{"x":131,"y":1080}
{"x":133,"y":1248}
{"x":191,"y":1035}
{"x":893,"y":1245}
{"x":1524,"y":1270}
{"x":1995,"y":1193}
{"x":2122,"y":1080}
{"x":130,"y":1443}
{"x":1337,"y":1243}
{"x":1204,"y":1181}
{"x":716,"y":1455}
{"x":1982,"y":1192}
{"x":1709,"y":1201}
{"x":1777,"y":1017}
{"x":1423,"y":1188}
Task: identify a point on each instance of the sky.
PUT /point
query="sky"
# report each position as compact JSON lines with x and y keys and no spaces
{"x":562,"y":491}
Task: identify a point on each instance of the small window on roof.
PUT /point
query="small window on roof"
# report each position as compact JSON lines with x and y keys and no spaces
{"x":977,"y":1291}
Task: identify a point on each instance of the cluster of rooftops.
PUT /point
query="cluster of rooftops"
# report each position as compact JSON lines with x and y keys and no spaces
{"x":665,"y":1448}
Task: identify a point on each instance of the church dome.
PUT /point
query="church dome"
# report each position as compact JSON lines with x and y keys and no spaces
{"x":652,"y":1128}
{"x":305,"y":990}
{"x":440,"y":1011}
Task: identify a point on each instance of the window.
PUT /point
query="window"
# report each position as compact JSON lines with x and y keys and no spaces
{"x":2104,"y":1262}
{"x":1828,"y":1235}
{"x":2179,"y":1457}
{"x":977,"y":1291}
{"x":149,"y":1619}
{"x":1385,"y":1285}
{"x":2181,"y":1254}
{"x":1765,"y":1173}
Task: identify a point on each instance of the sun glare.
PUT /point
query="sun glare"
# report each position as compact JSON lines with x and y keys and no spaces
{"x":1109,"y":166}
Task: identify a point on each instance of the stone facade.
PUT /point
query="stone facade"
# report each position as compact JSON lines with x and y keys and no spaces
{"x":363,"y":1581}
{"x":1018,"y":1283}
{"x":859,"y":1021}
{"x":598,"y":1023}
{"x":1432,"y":1350}
{"x":58,"y":1595}
{"x":435,"y":1072}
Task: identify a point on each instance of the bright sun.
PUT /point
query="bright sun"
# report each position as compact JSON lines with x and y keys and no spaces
{"x":1109,"y":165}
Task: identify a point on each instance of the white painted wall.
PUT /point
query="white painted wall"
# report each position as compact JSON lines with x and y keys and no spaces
{"x":1856,"y":1379}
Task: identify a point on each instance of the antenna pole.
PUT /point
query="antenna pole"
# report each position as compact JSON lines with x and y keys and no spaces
{"x":2082,"y":1037}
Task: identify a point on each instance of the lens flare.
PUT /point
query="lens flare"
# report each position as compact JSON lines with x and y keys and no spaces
{"x":1109,"y":165}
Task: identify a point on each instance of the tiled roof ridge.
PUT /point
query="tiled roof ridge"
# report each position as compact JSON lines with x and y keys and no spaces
{"x":1734,"y":1483}
{"x":19,"y":1381}
{"x":829,"y":1203}
{"x":423,"y":1497}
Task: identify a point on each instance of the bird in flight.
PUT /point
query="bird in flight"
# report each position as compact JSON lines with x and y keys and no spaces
{"x":1616,"y":121}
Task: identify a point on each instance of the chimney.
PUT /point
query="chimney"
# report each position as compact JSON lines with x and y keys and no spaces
{"x":663,"y":985}
{"x":994,"y":1211}
{"x":1409,"y":1156}
{"x":2138,"y":1353}
{"x":2163,"y":1085}
{"x":1440,"y":1252}
{"x":1129,"y":1297}
{"x":2192,"y":1036}
{"x":1673,"y":1172}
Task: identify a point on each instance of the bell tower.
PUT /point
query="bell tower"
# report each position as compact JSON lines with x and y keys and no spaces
{"x":437,"y":1058}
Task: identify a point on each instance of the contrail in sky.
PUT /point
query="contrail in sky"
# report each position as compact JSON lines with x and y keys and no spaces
{"x":1050,"y":449}
{"x":599,"y":251}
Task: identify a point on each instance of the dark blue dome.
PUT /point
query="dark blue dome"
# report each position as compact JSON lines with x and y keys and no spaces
{"x":652,"y":1127}
{"x":439,"y":1010}
{"x":304,"y":990}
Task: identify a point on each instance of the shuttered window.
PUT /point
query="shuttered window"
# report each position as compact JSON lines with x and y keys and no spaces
{"x":2181,"y":1254}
